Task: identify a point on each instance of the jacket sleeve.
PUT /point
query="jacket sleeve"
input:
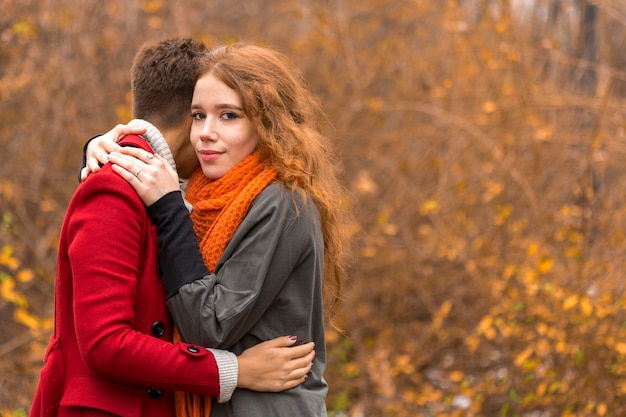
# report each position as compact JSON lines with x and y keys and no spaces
{"x":218,"y":309}
{"x":180,"y":258}
{"x":106,"y":233}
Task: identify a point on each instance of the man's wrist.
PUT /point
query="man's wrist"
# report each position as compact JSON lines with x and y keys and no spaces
{"x":84,"y":161}
{"x":228,"y":367}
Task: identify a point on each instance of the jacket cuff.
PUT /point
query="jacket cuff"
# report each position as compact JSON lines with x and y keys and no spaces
{"x":229,"y":370}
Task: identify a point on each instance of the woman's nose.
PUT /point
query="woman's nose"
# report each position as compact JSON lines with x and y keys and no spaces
{"x":208,"y":130}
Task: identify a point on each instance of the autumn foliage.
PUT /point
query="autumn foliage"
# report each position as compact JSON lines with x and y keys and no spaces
{"x":483,"y":143}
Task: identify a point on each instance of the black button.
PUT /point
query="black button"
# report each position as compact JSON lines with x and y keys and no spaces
{"x":158,"y":328}
{"x":159,"y":269}
{"x":155,"y":393}
{"x":193,"y":349}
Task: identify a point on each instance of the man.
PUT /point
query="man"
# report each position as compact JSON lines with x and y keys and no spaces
{"x":111,"y":349}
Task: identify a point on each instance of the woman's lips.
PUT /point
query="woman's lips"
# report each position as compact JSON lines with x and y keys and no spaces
{"x":209,"y":155}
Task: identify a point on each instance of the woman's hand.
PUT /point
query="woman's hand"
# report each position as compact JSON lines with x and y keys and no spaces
{"x":99,"y":148}
{"x":275,"y":365}
{"x":149,"y":174}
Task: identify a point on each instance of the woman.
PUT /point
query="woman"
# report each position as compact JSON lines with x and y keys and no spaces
{"x":266,"y":210}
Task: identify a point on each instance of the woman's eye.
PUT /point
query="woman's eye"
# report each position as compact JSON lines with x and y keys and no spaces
{"x":197,"y":116}
{"x":229,"y":115}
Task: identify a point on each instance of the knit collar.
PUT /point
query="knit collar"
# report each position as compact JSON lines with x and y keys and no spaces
{"x":159,"y":145}
{"x":155,"y":139}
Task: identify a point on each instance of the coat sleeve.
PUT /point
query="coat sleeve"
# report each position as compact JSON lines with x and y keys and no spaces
{"x":218,"y":309}
{"x":180,"y":258}
{"x":106,"y":232}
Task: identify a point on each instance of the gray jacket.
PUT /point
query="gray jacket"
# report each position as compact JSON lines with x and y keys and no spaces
{"x":268,"y":283}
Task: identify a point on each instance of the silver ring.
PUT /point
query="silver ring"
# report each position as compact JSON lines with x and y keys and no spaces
{"x":149,"y":156}
{"x":138,"y":172}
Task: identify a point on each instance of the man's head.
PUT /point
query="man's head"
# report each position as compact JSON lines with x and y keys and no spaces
{"x":163,"y":77}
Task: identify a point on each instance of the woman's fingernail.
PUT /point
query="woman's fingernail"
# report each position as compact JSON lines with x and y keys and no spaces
{"x":293,"y":338}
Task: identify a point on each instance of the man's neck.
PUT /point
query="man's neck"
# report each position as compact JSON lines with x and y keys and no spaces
{"x":182,"y":151}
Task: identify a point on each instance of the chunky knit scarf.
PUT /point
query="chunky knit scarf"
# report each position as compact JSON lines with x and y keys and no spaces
{"x":219,"y":206}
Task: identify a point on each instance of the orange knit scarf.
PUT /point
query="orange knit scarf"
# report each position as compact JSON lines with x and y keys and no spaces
{"x":219,"y":206}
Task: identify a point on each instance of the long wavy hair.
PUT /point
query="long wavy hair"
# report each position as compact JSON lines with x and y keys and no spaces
{"x":290,"y":124}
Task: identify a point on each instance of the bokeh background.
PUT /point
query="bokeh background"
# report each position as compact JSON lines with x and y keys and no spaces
{"x":483,"y":144}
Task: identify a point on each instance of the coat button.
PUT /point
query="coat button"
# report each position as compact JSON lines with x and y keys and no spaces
{"x":155,"y":393}
{"x":159,"y":269}
{"x":158,"y":328}
{"x":193,"y":349}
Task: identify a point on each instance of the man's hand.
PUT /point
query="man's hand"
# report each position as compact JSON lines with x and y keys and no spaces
{"x":275,"y":365}
{"x":98,"y":149}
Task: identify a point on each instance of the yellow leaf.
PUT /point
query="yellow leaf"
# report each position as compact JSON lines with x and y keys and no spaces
{"x":503,"y":214}
{"x":364,"y":183}
{"x":390,"y":229}
{"x":404,"y":364}
{"x":7,"y":290}
{"x":456,"y":376}
{"x":25,"y":275}
{"x":485,"y":327}
{"x":543,"y":133}
{"x":525,"y":354}
{"x":429,"y":206}
{"x":47,"y":205}
{"x":22,"y":316}
{"x":586,"y":307}
{"x":545,"y":265}
{"x":571,"y":301}
{"x":373,"y":103}
{"x":509,"y":270}
{"x":560,"y":347}
{"x":7,"y":258}
{"x":24,"y":29}
{"x":7,"y":188}
{"x":151,"y":6}
{"x":441,"y":314}
{"x":332,"y":336}
{"x":573,"y":252}
{"x":486,"y":322}
{"x":472,"y":343}
{"x":489,"y":107}
{"x":351,"y":369}
{"x":622,"y":387}
{"x":383,"y":217}
{"x":541,"y":389}
{"x":47,"y":324}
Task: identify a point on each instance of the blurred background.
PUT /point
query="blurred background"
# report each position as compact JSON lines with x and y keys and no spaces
{"x":483,"y":142}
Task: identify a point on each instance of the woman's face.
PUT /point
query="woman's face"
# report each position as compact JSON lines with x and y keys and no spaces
{"x":221,"y":134}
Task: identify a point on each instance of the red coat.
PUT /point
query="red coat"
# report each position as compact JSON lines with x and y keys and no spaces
{"x":111,"y":349}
